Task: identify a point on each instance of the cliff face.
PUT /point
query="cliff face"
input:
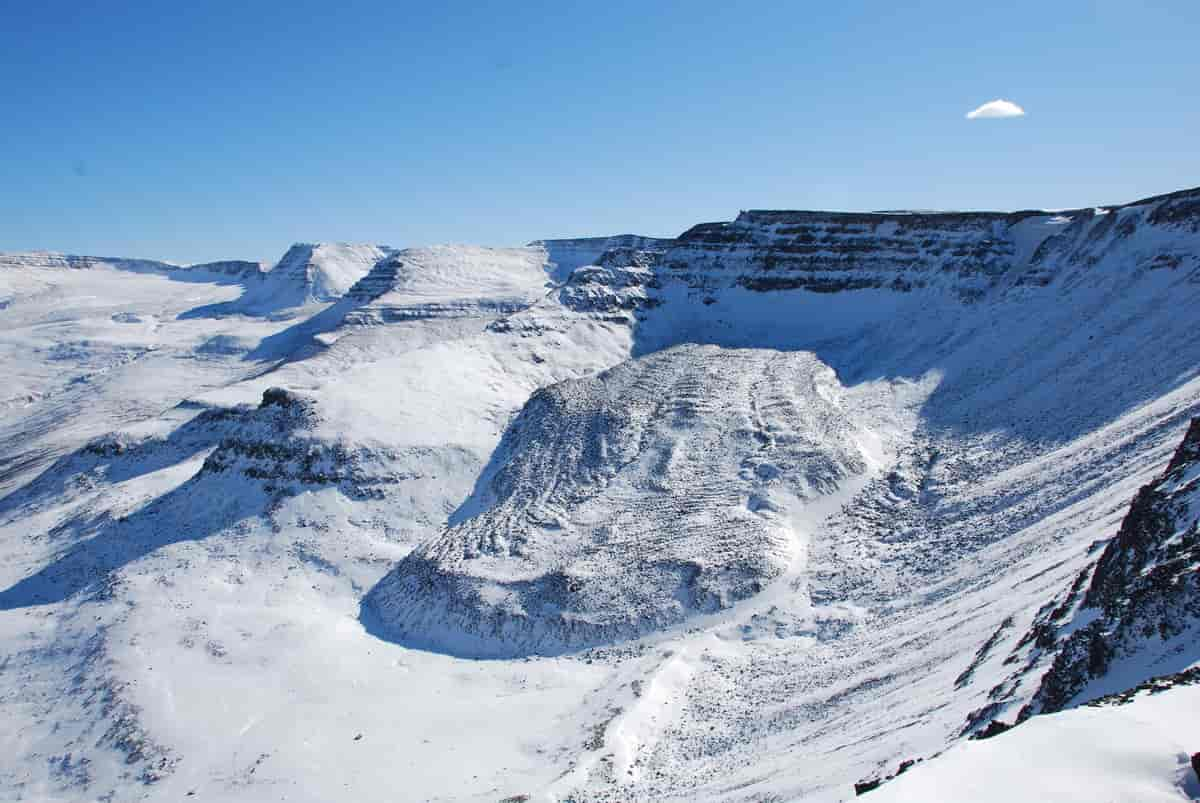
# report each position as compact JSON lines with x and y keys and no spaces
{"x":565,"y":255}
{"x":1144,"y":595}
{"x":967,"y":253}
{"x":622,"y":280}
{"x":1024,"y":280}
{"x":827,"y":252}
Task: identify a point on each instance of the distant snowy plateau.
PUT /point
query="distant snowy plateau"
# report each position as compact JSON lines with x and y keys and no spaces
{"x":795,"y":507}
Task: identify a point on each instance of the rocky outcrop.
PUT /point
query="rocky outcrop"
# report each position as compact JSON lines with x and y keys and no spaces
{"x":1145,"y":588}
{"x":275,"y":445}
{"x":621,"y":281}
{"x":565,"y":255}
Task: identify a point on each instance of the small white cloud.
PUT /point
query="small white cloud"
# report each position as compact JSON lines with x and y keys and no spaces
{"x":996,"y":109}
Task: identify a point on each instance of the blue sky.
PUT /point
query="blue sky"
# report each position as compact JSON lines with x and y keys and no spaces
{"x":231,"y":130}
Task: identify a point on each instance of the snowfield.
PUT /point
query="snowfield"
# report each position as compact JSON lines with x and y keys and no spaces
{"x":1135,"y":752}
{"x":757,"y":513}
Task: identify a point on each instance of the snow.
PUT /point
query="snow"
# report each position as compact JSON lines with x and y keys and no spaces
{"x":308,"y":273}
{"x":1139,"y":752}
{"x":627,"y":502}
{"x":182,"y":602}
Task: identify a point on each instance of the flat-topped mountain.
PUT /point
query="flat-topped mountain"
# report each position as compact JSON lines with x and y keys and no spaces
{"x":450,"y":280}
{"x":234,"y":268}
{"x":967,"y":252}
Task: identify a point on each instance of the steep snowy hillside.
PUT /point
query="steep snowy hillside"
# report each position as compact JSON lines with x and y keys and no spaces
{"x":752,"y":514}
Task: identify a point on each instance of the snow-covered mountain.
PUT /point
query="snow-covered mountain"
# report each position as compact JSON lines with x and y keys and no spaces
{"x":756,"y":513}
{"x":309,"y":273}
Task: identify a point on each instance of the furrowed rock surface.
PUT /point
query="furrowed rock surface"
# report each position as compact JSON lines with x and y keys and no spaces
{"x":664,"y":488}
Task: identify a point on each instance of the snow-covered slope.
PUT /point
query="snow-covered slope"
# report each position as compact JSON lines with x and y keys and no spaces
{"x":454,"y":281}
{"x":1139,"y":751}
{"x":753,"y":514}
{"x":325,"y":271}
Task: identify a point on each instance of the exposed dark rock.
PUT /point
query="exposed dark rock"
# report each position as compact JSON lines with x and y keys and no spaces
{"x":832,"y":252}
{"x":279,"y":397}
{"x":982,"y":653}
{"x":968,"y":253}
{"x":275,"y":445}
{"x":994,"y":728}
{"x":1146,"y":584}
{"x":1156,"y":685}
{"x":1178,"y":208}
{"x":862,"y":787}
{"x":621,"y":281}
